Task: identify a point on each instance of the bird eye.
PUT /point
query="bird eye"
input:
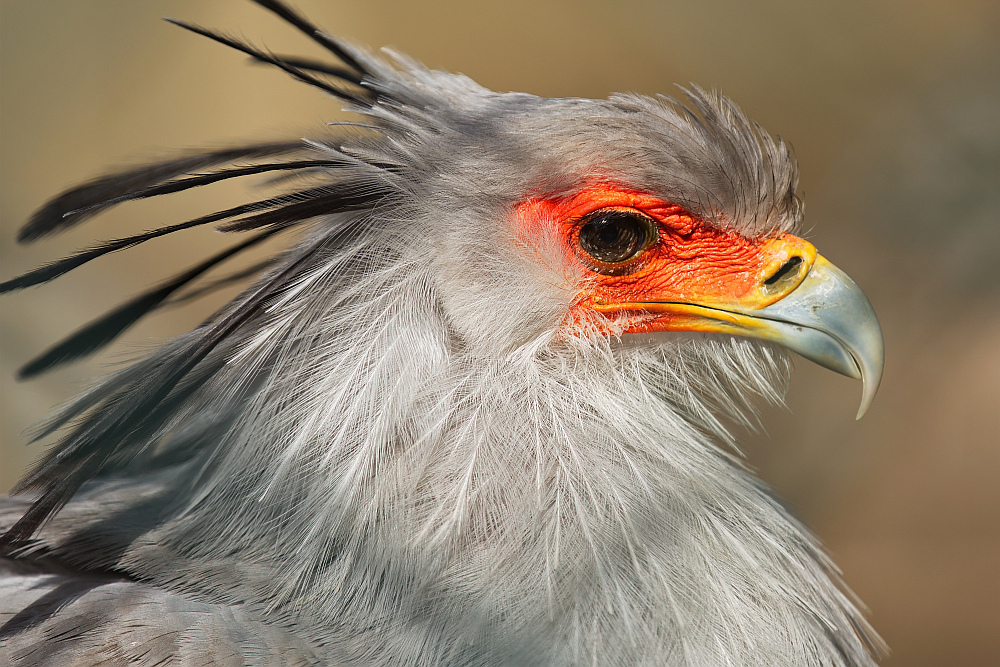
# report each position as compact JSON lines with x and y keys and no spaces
{"x":614,"y":237}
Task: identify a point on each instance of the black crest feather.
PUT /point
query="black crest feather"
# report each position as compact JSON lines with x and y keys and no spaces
{"x":113,"y":426}
{"x":106,"y":328}
{"x":317,"y":35}
{"x":288,"y":208}
{"x":360,"y":98}
{"x":84,"y":201}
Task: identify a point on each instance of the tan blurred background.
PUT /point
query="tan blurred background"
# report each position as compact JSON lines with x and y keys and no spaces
{"x":894,"y":112}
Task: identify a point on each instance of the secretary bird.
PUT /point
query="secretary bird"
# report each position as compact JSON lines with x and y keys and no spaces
{"x":474,"y":415}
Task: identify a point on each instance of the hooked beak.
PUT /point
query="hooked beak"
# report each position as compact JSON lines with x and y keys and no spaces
{"x":829,"y":320}
{"x":814,"y":309}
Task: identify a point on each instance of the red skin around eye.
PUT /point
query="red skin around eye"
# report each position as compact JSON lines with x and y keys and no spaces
{"x":690,"y":262}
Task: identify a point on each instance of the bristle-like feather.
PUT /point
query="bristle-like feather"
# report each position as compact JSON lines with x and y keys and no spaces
{"x":220,"y":283}
{"x":109,"y":326}
{"x":359,"y":98}
{"x":198,"y":180}
{"x":299,"y":207}
{"x":320,"y":37}
{"x":310,"y":65}
{"x":320,"y":201}
{"x":79,"y":203}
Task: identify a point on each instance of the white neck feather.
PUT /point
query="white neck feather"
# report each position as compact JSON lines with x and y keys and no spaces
{"x":531,"y":500}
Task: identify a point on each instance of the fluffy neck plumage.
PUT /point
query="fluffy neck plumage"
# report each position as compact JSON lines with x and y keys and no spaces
{"x":391,"y":486}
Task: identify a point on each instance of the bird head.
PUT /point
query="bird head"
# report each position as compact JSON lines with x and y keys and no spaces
{"x":629,"y":218}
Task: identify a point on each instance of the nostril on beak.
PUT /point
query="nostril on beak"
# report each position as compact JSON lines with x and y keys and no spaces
{"x":787,"y":270}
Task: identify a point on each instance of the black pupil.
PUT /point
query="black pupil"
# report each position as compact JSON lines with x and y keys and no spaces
{"x":614,"y":237}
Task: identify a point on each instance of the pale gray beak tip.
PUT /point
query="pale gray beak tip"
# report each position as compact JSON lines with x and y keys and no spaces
{"x":829,"y":320}
{"x":871,"y":367}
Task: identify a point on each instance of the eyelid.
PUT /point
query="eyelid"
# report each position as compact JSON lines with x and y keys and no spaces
{"x":630,"y":210}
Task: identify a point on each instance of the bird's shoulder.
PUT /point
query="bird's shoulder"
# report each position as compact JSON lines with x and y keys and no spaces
{"x":50,"y":615}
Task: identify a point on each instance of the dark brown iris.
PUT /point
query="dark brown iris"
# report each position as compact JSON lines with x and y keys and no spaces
{"x":615,"y":237}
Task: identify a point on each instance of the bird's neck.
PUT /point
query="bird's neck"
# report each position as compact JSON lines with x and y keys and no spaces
{"x":462,"y":499}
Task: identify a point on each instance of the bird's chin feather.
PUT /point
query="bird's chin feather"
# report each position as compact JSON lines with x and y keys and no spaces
{"x":474,"y":469}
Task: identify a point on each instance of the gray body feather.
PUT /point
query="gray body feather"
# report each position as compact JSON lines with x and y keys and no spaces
{"x":73,"y":619}
{"x":385,"y":453}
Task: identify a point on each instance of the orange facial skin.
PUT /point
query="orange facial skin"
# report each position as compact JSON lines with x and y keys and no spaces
{"x":688,"y":268}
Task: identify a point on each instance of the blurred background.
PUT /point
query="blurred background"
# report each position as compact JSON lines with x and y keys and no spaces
{"x":893,"y":109}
